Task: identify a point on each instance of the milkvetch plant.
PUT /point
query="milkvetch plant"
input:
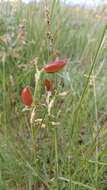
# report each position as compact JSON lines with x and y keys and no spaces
{"x":34,"y":101}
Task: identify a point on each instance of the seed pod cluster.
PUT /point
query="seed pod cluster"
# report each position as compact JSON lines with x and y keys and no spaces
{"x":52,"y":67}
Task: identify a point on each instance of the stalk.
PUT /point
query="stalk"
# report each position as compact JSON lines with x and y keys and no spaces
{"x":36,"y":99}
{"x":4,"y":91}
{"x":96,"y":129}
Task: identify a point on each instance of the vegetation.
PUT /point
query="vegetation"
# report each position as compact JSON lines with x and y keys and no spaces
{"x":58,"y":142}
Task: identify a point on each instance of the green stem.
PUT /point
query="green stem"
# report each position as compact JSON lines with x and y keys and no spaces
{"x":75,"y":114}
{"x":96,"y":129}
{"x":4,"y":91}
{"x":56,"y":156}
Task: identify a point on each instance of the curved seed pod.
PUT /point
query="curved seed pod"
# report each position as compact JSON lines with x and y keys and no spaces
{"x":55,"y":66}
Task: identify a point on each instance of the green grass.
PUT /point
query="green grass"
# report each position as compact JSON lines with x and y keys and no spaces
{"x":66,"y":149}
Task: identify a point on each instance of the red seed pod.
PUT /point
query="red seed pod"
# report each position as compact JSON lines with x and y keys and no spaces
{"x":55,"y":66}
{"x":26,"y":96}
{"x":48,"y":85}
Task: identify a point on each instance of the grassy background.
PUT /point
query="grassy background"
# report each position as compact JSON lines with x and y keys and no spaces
{"x":68,"y":150}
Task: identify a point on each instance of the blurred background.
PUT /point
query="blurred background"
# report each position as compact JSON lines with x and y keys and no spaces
{"x":72,"y":2}
{"x":41,"y":31}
